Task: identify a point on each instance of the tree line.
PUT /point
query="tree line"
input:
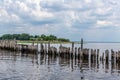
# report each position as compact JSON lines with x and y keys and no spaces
{"x":25,"y":36}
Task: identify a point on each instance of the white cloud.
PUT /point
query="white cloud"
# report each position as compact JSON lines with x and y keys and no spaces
{"x":98,"y":3}
{"x":22,"y":6}
{"x":29,"y":8}
{"x":37,"y":12}
{"x":88,"y":1}
{"x":41,"y":14}
{"x":7,"y":1}
{"x":6,"y":17}
{"x":3,"y":12}
{"x":103,"y":10}
{"x":15,"y":17}
{"x":104,"y":23}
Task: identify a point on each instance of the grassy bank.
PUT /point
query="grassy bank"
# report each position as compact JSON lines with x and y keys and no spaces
{"x":30,"y":42}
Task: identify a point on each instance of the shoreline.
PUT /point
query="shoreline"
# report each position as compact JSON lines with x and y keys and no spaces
{"x":53,"y":42}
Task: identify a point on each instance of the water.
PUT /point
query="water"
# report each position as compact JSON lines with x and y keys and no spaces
{"x":15,"y":66}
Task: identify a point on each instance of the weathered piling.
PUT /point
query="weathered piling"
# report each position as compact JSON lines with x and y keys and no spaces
{"x":107,"y":55}
{"x":75,"y":52}
{"x":48,"y":47}
{"x":81,"y":44}
{"x":13,"y":46}
{"x":53,"y":51}
{"x":45,"y":48}
{"x":42,"y":48}
{"x":8,"y":44}
{"x":72,"y":50}
{"x":79,"y":53}
{"x":112,"y":54}
{"x":93,"y":52}
{"x":72,"y":47}
{"x":64,"y":51}
{"x":85,"y":53}
{"x":28,"y":49}
{"x":67,"y":53}
{"x":118,"y":56}
{"x":24,"y":48}
{"x":97,"y":55}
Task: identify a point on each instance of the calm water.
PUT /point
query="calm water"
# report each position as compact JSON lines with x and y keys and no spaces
{"x":14,"y":66}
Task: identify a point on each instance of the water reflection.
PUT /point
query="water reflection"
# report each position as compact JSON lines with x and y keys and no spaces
{"x":18,"y":66}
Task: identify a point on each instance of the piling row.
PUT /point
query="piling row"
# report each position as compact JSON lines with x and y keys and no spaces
{"x":62,"y":51}
{"x":8,"y":44}
{"x":13,"y":46}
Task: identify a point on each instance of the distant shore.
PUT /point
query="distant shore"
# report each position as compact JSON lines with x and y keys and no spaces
{"x":53,"y":42}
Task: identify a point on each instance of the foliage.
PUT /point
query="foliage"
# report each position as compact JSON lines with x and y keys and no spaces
{"x":64,"y":40}
{"x":25,"y":36}
{"x":22,"y":36}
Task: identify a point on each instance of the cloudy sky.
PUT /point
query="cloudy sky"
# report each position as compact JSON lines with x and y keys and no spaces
{"x":90,"y":19}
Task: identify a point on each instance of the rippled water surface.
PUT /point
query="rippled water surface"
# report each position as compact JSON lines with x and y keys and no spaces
{"x":15,"y":66}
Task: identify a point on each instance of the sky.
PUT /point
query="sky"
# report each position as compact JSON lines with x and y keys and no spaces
{"x":92,"y":20}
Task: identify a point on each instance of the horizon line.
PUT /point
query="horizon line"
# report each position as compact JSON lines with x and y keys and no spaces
{"x":99,"y":41}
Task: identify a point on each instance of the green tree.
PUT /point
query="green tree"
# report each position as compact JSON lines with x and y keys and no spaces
{"x":7,"y":36}
{"x":24,"y":36}
{"x":43,"y":37}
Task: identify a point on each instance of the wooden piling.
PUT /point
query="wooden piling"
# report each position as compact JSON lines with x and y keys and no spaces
{"x":48,"y":47}
{"x":81,"y":44}
{"x":72,"y":47}
{"x":42,"y":48}
{"x":107,"y":55}
{"x":71,"y":55}
{"x":79,"y":53}
{"x":93,"y":53}
{"x":75,"y":54}
{"x":97,"y":54}
{"x":118,"y":56}
{"x":64,"y":52}
{"x":45,"y":48}
{"x":112,"y":54}
{"x":85,"y":53}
